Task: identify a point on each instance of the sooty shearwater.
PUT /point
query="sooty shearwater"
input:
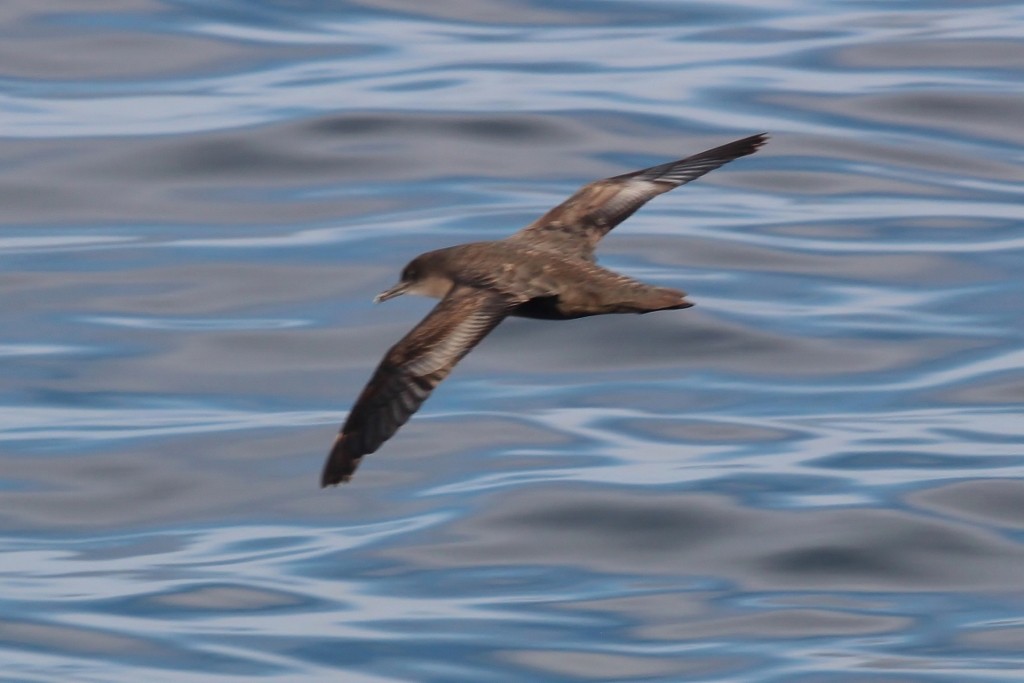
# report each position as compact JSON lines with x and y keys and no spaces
{"x":546,"y":270}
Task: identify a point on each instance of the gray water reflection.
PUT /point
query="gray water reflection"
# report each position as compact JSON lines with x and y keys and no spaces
{"x":814,"y":475}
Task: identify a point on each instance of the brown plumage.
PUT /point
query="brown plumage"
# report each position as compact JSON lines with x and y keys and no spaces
{"x":546,"y":270}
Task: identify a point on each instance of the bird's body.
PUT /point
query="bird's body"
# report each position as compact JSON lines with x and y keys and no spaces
{"x":538,"y":283}
{"x":546,"y":270}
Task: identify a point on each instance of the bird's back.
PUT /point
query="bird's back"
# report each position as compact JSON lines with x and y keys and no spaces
{"x":550,"y":285}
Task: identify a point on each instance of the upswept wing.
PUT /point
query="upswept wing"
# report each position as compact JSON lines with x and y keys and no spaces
{"x":575,"y":226}
{"x":409,"y":372}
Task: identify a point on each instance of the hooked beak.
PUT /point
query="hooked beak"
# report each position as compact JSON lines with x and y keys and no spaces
{"x":397,"y":290}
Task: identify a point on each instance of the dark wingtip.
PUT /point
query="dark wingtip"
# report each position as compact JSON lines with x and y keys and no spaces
{"x":685,"y":170}
{"x":750,"y":144}
{"x":340,"y":465}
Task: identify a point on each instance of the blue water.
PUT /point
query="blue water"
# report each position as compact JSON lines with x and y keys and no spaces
{"x":817,"y":474}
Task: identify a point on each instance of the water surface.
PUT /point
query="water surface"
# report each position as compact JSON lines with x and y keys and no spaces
{"x":814,"y":475}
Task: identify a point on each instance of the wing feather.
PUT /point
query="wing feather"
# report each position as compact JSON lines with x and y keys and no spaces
{"x":409,"y":372}
{"x":575,"y":226}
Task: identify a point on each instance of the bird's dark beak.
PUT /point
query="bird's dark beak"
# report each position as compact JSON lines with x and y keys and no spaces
{"x":397,"y":290}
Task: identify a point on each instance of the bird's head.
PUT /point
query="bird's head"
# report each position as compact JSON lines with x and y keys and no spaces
{"x":418,"y":277}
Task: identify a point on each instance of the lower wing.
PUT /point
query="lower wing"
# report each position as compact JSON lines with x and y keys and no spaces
{"x":409,"y":372}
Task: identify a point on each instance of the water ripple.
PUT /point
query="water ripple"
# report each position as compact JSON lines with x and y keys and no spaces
{"x":814,"y":474}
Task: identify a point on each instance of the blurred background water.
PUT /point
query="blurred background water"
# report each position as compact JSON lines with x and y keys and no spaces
{"x":815,"y":475}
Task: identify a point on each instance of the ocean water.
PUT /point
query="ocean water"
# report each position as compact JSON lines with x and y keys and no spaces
{"x":816,"y":474}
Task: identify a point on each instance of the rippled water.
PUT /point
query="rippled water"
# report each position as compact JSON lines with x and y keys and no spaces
{"x":815,"y":475}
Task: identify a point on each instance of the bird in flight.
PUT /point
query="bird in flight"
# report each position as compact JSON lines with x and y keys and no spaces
{"x":546,"y":270}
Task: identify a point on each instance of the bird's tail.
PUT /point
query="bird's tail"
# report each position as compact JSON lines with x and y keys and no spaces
{"x":340,"y":464}
{"x":662,"y":299}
